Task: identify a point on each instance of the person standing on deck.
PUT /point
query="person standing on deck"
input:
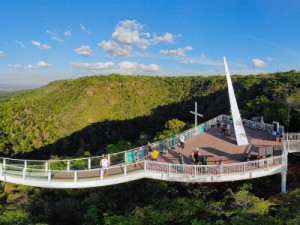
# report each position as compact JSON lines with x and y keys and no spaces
{"x":150,"y":150}
{"x":136,"y":157}
{"x":218,"y":124}
{"x":182,"y":140}
{"x":228,"y":129}
{"x":167,"y":147}
{"x":195,"y":157}
{"x":180,"y":162}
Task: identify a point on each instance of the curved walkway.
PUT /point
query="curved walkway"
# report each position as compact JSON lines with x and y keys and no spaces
{"x":40,"y":173}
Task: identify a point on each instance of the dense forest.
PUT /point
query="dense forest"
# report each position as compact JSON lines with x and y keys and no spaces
{"x":92,"y":115}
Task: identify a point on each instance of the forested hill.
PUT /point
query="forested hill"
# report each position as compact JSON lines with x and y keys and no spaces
{"x":86,"y":114}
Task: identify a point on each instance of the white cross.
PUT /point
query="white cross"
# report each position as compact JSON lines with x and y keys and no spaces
{"x":196,"y":114}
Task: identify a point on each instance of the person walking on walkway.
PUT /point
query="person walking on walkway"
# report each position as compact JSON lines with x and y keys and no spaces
{"x":182,"y":140}
{"x":104,"y":163}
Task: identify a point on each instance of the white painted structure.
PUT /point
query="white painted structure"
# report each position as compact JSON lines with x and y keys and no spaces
{"x":240,"y":133}
{"x":42,"y":173}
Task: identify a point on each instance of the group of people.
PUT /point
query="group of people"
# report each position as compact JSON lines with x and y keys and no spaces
{"x":223,"y":127}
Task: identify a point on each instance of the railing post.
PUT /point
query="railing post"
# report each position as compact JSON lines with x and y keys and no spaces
{"x":125,"y":170}
{"x":244,"y":167}
{"x":46,"y":166}
{"x":75,"y":176}
{"x":89,"y":163}
{"x":101,"y":174}
{"x":24,"y":173}
{"x":24,"y":169}
{"x":1,"y":171}
{"x":195,"y":171}
{"x":4,"y":163}
{"x":125,"y":156}
{"x":68,"y":165}
{"x":49,"y":176}
{"x":108,"y":157}
{"x":145,"y":166}
{"x":221,"y":169}
{"x":268,"y":163}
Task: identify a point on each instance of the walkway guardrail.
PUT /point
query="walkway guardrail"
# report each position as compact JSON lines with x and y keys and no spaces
{"x":292,"y":136}
{"x":25,"y":173}
{"x":127,"y":156}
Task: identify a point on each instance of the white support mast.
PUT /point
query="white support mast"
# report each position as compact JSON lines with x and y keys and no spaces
{"x":240,"y":133}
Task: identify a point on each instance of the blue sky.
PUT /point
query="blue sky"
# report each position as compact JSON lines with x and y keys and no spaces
{"x":42,"y":41}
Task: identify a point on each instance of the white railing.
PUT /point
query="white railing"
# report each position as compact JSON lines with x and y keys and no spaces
{"x":175,"y":170}
{"x":118,"y":159}
{"x":93,"y":162}
{"x":292,"y":136}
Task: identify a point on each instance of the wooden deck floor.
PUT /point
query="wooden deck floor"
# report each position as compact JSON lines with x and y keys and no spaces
{"x":216,"y":146}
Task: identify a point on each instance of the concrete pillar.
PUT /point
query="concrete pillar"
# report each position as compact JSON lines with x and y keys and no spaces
{"x":68,"y":165}
{"x":283,"y":181}
{"x":89,"y":163}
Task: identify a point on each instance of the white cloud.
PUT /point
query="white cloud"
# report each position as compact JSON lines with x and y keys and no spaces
{"x":49,"y":32}
{"x":84,"y":50}
{"x":43,"y":64}
{"x":138,"y":68}
{"x":2,"y":53}
{"x":203,"y":56}
{"x":20,"y":43}
{"x":123,"y":67}
{"x":40,"y":46}
{"x":57,"y":39}
{"x":166,"y":38}
{"x":187,"y":62}
{"x":206,"y":61}
{"x":18,"y":66}
{"x":127,"y":35}
{"x":93,"y":66}
{"x":270,"y":58}
{"x":259,"y":63}
{"x":39,"y":64}
{"x":176,"y":52}
{"x":68,"y":33}
{"x":85,"y":29}
{"x":115,"y":49}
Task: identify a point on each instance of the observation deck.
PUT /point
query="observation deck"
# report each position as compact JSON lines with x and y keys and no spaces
{"x":238,"y":162}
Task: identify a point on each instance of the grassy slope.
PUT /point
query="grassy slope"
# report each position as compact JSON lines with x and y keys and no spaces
{"x":36,"y":118}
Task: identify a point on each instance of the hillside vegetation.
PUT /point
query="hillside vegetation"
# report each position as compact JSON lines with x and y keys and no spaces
{"x":93,"y":114}
{"x":89,"y":113}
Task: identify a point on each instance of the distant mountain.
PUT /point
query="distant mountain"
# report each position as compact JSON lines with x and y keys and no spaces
{"x":70,"y":116}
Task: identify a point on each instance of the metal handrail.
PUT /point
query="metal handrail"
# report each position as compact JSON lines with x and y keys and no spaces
{"x":188,"y":133}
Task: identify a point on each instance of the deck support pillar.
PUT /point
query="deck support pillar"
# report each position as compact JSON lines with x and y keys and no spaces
{"x":283,"y":181}
{"x":75,"y":176}
{"x":89,"y":163}
{"x":49,"y":176}
{"x":101,"y":174}
{"x":125,"y":170}
{"x":24,"y":173}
